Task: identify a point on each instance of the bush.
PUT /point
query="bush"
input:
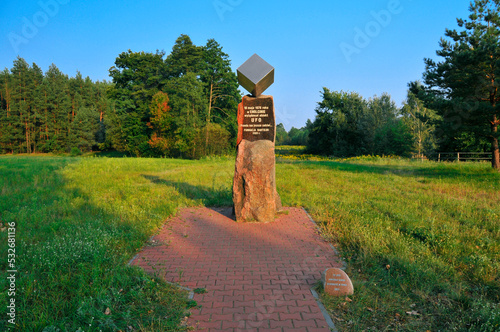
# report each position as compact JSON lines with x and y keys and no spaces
{"x":75,"y":152}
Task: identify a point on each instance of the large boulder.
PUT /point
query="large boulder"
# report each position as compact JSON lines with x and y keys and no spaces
{"x":254,"y":188}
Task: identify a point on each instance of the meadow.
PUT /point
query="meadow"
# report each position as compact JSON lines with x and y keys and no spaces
{"x":421,"y":240}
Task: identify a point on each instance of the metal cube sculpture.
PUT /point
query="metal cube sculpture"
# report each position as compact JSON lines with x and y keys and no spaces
{"x":255,"y":75}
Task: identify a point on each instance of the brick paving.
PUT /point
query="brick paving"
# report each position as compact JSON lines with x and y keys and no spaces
{"x":258,"y":277}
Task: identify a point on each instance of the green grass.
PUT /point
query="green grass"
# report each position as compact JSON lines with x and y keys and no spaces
{"x":417,"y":237}
{"x":422,"y":238}
{"x":78,"y":222}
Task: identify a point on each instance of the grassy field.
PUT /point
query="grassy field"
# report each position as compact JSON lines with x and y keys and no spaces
{"x":421,"y":240}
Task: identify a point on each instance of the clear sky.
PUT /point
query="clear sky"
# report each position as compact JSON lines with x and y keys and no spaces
{"x":366,"y":46}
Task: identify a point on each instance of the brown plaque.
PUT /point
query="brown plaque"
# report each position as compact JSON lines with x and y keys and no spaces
{"x":337,"y":283}
{"x":256,"y":119}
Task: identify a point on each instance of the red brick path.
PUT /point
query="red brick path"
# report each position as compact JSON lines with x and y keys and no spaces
{"x":257,"y":276}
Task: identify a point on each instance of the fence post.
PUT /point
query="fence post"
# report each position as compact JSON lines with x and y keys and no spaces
{"x":439,"y":157}
{"x":458,"y":156}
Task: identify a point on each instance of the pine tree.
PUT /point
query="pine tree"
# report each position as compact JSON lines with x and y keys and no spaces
{"x":463,"y":88}
{"x":102,"y":107}
{"x":422,"y":123}
{"x":6,"y":127}
{"x":184,"y":58}
{"x":59,"y":109}
{"x":20,"y":106}
{"x":40,"y":113}
{"x":37,"y":106}
{"x":84,"y":129}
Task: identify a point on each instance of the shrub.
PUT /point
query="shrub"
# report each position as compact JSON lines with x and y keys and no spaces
{"x":75,"y":152}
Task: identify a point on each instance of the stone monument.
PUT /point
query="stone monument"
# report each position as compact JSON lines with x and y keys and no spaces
{"x":254,"y":187}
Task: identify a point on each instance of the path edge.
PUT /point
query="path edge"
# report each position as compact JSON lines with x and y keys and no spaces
{"x":327,"y":316}
{"x":189,"y":290}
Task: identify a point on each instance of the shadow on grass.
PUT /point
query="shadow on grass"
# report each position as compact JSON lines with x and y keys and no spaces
{"x":112,"y":154}
{"x":214,"y":197}
{"x":443,"y":171}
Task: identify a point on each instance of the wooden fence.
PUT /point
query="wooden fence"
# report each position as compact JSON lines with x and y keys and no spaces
{"x":464,"y":156}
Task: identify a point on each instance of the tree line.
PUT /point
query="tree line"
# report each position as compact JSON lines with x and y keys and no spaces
{"x":49,"y":112}
{"x":181,"y":105}
{"x":178,"y":105}
{"x":295,"y":136}
{"x":455,"y":108}
{"x":348,"y":125}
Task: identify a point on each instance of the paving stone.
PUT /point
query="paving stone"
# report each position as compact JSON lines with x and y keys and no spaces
{"x":257,"y":276}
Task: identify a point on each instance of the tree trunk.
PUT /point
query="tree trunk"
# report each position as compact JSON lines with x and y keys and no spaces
{"x":208,"y":117}
{"x":28,"y":145}
{"x":495,"y":154}
{"x":46,"y":118}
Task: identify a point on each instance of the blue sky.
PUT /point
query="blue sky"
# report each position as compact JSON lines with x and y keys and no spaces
{"x":369,"y":47}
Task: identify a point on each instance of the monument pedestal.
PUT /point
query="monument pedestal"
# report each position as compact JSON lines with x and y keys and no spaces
{"x":254,"y":187}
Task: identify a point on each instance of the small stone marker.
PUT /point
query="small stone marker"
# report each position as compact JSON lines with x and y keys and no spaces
{"x":337,"y":283}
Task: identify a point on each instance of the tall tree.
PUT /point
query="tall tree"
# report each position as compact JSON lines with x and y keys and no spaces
{"x":382,"y":111}
{"x":184,"y":58}
{"x":464,"y":86}
{"x":37,"y":107}
{"x":203,"y":96}
{"x":84,"y":128}
{"x":422,"y":123}
{"x":188,"y":104}
{"x":20,"y":107}
{"x":7,"y":128}
{"x":335,"y":129}
{"x":137,"y":77}
{"x":59,"y":109}
{"x":221,"y":85}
